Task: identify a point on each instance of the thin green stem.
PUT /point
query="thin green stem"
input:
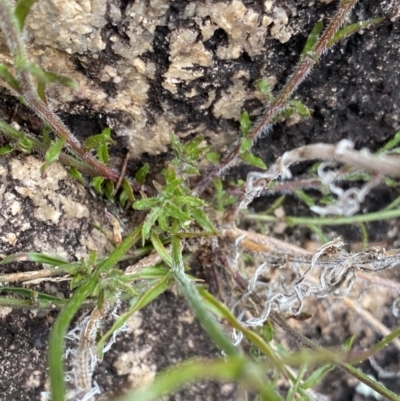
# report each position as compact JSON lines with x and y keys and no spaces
{"x":330,"y":221}
{"x":375,"y":348}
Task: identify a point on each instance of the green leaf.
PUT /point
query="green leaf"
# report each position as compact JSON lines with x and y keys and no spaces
{"x":263,"y":87}
{"x":177,"y":213}
{"x":350,"y":29}
{"x":348,"y":343}
{"x":267,"y":331}
{"x":213,"y":157}
{"x":188,"y":201}
{"x":41,"y":91}
{"x":74,"y":173}
{"x":192,"y":147}
{"x":33,"y":257}
{"x":312,"y":38}
{"x":391,"y":144}
{"x":202,"y":220}
{"x":160,"y":249}
{"x":151,"y":218}
{"x":109,"y":190}
{"x":102,"y":153}
{"x":245,"y":144}
{"x":94,"y":141}
{"x":141,"y":174}
{"x":191,"y":170}
{"x":171,"y":187}
{"x":245,"y":123}
{"x":218,"y":184}
{"x":305,"y":198}
{"x":97,"y":183}
{"x":6,"y":76}
{"x":169,"y":174}
{"x":127,"y":190}
{"x":176,"y":145}
{"x":146,"y":203}
{"x":163,"y":222}
{"x":148,"y":273}
{"x":53,"y":152}
{"x":21,"y":11}
{"x":300,"y":108}
{"x":5,"y":150}
{"x":317,"y":376}
{"x":253,"y":160}
{"x":46,"y":134}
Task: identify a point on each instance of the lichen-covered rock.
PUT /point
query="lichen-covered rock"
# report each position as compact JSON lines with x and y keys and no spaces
{"x":48,"y":213}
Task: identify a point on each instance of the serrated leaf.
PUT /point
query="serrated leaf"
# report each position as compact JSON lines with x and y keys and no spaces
{"x":74,"y":173}
{"x":312,"y":38}
{"x":5,"y":150}
{"x":188,"y":201}
{"x":163,"y":222}
{"x":171,"y":187}
{"x":149,"y":222}
{"x":21,"y":11}
{"x":175,"y":212}
{"x":146,"y":203}
{"x":193,"y":145}
{"x":316,"y":376}
{"x":97,"y":183}
{"x":350,"y":29}
{"x":177,"y":147}
{"x":202,"y":220}
{"x":6,"y":76}
{"x":46,"y":134}
{"x":245,"y":123}
{"x":191,"y":170}
{"x":253,"y":160}
{"x":300,"y":108}
{"x":169,"y":174}
{"x":141,"y":174}
{"x":109,"y":190}
{"x":213,"y":157}
{"x":94,"y":141}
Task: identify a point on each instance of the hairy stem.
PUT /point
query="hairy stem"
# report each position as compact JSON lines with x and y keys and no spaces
{"x":9,"y":26}
{"x":281,"y":101}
